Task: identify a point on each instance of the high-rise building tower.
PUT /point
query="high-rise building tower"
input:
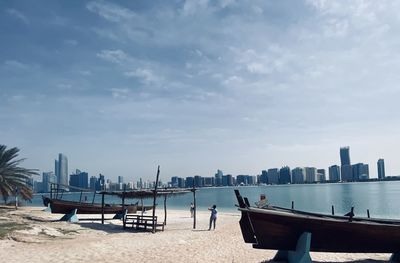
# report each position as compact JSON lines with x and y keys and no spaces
{"x":346,"y":169}
{"x":345,"y":155}
{"x":381,"y":169}
{"x":334,"y":173}
{"x":48,"y":178}
{"x":61,"y":170}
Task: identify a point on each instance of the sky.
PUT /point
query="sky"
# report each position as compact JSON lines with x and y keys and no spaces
{"x":194,"y":86}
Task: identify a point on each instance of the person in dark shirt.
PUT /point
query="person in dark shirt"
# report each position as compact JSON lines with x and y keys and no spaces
{"x":213,"y":216}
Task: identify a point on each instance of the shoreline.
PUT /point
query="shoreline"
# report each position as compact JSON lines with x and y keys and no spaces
{"x":43,"y":239}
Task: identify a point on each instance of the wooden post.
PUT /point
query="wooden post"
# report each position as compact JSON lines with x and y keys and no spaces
{"x":102,"y":208}
{"x":123,"y":198}
{"x":154,"y":199}
{"x":80,"y":197}
{"x":141,"y":201}
{"x":165,"y":210}
{"x":195,"y":208}
{"x":94,"y":195}
{"x":368,"y":213}
{"x":292,"y":205}
{"x":333,"y":210}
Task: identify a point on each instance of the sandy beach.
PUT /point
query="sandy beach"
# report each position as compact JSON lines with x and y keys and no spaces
{"x":38,"y":237}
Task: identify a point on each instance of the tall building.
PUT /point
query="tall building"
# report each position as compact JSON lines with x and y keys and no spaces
{"x":321,"y":175}
{"x":61,"y":170}
{"x":189,"y":182}
{"x":381,"y":169}
{"x":311,"y":174}
{"x":92,"y":182}
{"x":273,"y":176}
{"x":334,"y":173}
{"x":345,"y":155}
{"x":48,"y":178}
{"x":285,"y":175}
{"x":218,"y":178}
{"x":298,"y":175}
{"x":264,"y":177}
{"x":120,"y":179}
{"x":346,"y":169}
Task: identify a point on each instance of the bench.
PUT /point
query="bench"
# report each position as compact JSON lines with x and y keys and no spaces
{"x":142,"y":222}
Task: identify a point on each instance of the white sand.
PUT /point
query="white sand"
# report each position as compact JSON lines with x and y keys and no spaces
{"x":47,"y":241}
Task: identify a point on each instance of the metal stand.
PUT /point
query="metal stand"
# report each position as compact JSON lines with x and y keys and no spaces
{"x":395,"y":257}
{"x":70,"y":217}
{"x":300,"y":255}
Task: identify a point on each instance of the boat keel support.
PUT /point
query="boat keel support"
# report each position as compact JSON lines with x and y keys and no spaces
{"x":71,"y":217}
{"x":300,"y":255}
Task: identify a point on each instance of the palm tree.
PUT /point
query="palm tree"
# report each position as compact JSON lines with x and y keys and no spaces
{"x":13,"y":178}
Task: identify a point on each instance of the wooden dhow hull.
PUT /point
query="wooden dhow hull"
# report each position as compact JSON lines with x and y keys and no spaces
{"x":65,"y":207}
{"x":277,"y":228}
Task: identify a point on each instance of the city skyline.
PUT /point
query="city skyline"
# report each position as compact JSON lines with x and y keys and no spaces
{"x":196,"y":86}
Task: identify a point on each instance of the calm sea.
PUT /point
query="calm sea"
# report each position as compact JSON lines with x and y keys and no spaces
{"x":381,"y":198}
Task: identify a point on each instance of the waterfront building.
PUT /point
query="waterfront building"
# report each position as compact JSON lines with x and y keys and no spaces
{"x":334,"y":173}
{"x":285,"y":175}
{"x":48,"y":178}
{"x":346,"y":169}
{"x":120,"y":179}
{"x":311,"y":174}
{"x":100,"y":183}
{"x":218,"y":178}
{"x":251,"y":179}
{"x":273,"y":176}
{"x":189,"y":182}
{"x":321,"y":175}
{"x":242,"y":180}
{"x":360,"y":171}
{"x":346,"y":173}
{"x":345,"y":155}
{"x":61,"y":171}
{"x":298,"y":175}
{"x":230,"y":179}
{"x":381,"y":169}
{"x":210,"y":181}
{"x":174,"y":181}
{"x":198,"y":181}
{"x":92,"y":182}
{"x":264,"y":177}
{"x":181,"y":182}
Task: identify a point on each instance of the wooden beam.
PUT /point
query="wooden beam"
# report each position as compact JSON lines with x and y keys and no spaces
{"x":154,"y":199}
{"x":102,"y":208}
{"x":195,"y":208}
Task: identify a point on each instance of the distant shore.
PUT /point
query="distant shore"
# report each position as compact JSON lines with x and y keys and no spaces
{"x":36,"y":237}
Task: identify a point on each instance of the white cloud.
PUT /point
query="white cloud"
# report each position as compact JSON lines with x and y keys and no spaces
{"x":147,"y":76}
{"x":18,"y":14}
{"x":115,"y":56}
{"x":110,"y":12}
{"x":15,"y":64}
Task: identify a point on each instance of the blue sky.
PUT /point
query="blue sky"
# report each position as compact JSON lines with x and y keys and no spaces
{"x":196,"y":86}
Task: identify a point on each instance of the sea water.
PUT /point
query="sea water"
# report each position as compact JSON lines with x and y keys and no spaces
{"x":381,"y":198}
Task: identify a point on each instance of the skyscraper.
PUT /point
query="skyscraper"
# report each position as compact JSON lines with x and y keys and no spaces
{"x":334,"y":173}
{"x":48,"y":178}
{"x":346,"y":169}
{"x":345,"y":155}
{"x":381,"y":169}
{"x":298,"y":175}
{"x":61,"y":170}
{"x":285,"y":175}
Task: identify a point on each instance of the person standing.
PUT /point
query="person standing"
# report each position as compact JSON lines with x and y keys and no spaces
{"x":213,"y":216}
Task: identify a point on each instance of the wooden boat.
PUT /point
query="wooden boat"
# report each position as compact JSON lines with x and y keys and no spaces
{"x":59,"y":206}
{"x":279,"y":228}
